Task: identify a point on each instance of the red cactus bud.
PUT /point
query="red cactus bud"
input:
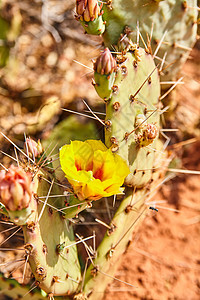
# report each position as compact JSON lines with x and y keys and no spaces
{"x":87,"y":10}
{"x":105,"y":63}
{"x":34,"y":148}
{"x":15,"y":188}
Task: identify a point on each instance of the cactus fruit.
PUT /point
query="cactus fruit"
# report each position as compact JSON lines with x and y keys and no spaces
{"x":15,"y":188}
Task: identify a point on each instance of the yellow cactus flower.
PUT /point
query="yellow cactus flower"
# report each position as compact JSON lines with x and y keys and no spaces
{"x":92,"y":169}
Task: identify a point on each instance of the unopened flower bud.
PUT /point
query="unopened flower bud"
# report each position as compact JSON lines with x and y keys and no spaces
{"x":15,"y":188}
{"x":34,"y":148}
{"x":105,"y":63}
{"x":88,"y":10}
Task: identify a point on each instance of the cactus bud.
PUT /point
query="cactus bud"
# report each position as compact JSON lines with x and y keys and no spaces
{"x":15,"y":188}
{"x":89,"y":13}
{"x":104,"y":74}
{"x":33,"y":148}
{"x":88,"y":10}
{"x":105,"y":63}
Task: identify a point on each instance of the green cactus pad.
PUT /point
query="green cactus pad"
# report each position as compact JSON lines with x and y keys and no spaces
{"x":125,"y":222}
{"x":12,"y":289}
{"x":135,"y":92}
{"x":47,"y":234}
{"x":177,"y":18}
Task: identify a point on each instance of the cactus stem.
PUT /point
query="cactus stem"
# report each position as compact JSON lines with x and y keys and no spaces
{"x":128,"y":230}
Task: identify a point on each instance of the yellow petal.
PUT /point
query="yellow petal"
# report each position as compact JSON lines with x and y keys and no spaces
{"x":83,"y":154}
{"x":97,"y":145}
{"x":67,"y":159}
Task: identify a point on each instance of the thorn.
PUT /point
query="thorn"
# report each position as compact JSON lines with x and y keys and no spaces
{"x":102,"y":223}
{"x":82,"y":64}
{"x":159,"y":44}
{"x":169,"y":91}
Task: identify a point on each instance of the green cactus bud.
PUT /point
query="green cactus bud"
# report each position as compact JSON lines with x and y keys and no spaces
{"x":89,"y":13}
{"x":104,"y":73}
{"x":105,"y":63}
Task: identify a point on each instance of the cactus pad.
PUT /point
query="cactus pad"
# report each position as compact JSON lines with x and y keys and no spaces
{"x":178,"y":19}
{"x":136,"y":92}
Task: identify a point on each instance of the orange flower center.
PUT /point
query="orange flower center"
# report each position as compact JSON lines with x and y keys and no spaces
{"x":98,"y":174}
{"x":78,"y":167}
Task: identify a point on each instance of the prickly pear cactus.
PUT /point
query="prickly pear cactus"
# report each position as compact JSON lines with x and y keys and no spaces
{"x":128,"y":164}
